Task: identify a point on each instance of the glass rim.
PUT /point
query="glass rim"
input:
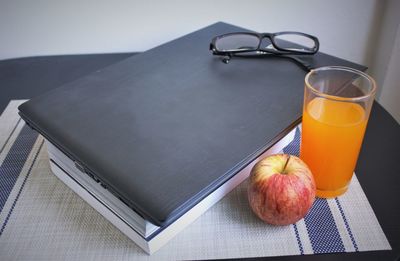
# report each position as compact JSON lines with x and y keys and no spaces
{"x":341,"y":98}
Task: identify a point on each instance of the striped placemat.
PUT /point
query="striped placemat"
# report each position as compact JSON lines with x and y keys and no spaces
{"x":41,"y":218}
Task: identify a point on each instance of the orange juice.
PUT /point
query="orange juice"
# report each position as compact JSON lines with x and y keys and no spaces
{"x":332,"y":133}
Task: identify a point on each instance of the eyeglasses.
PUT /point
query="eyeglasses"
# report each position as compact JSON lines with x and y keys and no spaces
{"x":250,"y":44}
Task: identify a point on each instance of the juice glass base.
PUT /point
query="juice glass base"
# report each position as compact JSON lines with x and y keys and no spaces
{"x":331,"y":193}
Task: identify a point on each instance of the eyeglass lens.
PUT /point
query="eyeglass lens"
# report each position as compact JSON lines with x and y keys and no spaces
{"x":295,"y":42}
{"x":237,"y":42}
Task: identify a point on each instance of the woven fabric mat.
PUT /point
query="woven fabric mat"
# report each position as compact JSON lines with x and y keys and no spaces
{"x":41,"y":218}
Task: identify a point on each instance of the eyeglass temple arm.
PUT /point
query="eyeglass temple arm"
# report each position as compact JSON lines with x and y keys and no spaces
{"x":306,"y":66}
{"x":303,"y":64}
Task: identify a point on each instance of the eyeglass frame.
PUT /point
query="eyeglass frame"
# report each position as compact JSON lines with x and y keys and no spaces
{"x":260,"y":36}
{"x":291,"y":55}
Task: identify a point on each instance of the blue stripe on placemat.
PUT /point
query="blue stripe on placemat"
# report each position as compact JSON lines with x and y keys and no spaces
{"x":20,"y":190}
{"x":322,"y":230}
{"x":320,"y":223}
{"x":9,"y":136}
{"x":296,"y":231}
{"x":15,"y":161}
{"x":293,"y":147}
{"x":353,"y":241}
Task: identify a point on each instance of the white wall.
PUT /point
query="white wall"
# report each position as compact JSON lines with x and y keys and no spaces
{"x":346,"y":28}
{"x":41,"y":27}
{"x":386,"y":61}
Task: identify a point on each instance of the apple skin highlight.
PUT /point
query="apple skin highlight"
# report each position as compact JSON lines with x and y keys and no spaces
{"x":281,"y":189}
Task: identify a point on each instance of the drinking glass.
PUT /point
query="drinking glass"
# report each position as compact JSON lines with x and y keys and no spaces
{"x":337,"y":104}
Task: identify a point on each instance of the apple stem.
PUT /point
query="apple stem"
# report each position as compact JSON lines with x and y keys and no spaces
{"x":284,"y":167}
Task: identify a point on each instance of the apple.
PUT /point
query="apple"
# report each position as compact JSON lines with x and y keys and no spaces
{"x":281,"y":189}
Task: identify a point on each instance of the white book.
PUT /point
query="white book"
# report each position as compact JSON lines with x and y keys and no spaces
{"x":145,"y":234}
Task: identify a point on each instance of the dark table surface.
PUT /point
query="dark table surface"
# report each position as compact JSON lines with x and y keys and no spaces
{"x":378,"y":164}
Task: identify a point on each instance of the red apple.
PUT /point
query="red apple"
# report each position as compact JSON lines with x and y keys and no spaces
{"x":281,"y":189}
